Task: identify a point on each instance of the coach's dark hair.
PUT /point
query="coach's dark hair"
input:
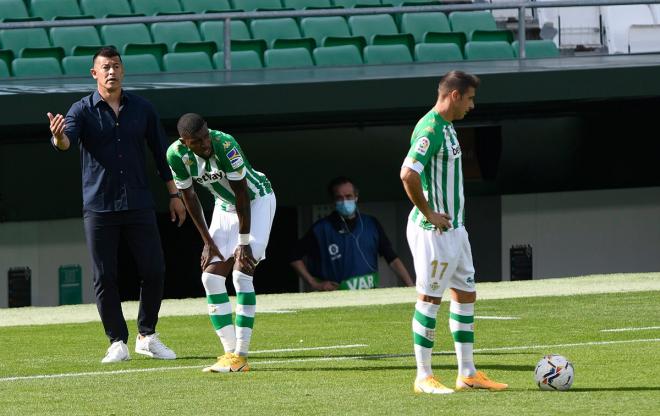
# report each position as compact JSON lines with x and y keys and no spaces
{"x":340,"y":180}
{"x":107,"y":52}
{"x":189,"y":124}
{"x":457,"y":80}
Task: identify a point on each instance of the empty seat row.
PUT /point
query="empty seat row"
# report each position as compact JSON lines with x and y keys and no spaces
{"x":283,"y":58}
{"x":50,"y":9}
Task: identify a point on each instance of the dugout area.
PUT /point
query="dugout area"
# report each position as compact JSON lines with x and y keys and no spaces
{"x":564,"y":125}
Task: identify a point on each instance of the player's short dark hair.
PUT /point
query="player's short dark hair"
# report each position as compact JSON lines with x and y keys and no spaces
{"x":189,"y":124}
{"x":457,"y":80}
{"x":107,"y":52}
{"x":340,"y":180}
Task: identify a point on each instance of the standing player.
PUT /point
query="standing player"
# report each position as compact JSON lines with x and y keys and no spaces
{"x":433,"y":179}
{"x":239,"y":231}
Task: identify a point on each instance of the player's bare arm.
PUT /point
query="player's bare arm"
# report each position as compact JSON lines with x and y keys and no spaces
{"x":177,"y":208}
{"x":57,"y":126}
{"x":194,"y":208}
{"x":245,"y":261}
{"x":412,"y":183}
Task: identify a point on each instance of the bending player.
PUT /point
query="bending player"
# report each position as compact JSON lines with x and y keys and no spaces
{"x":433,"y":180}
{"x":236,"y":240}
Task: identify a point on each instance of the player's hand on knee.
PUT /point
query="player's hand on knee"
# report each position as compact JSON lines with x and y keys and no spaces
{"x":244,"y":259}
{"x":208,"y":252}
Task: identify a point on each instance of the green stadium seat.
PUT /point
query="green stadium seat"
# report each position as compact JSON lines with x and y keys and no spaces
{"x":48,"y":9}
{"x":271,"y":29}
{"x":77,"y":65}
{"x":357,"y":41}
{"x":466,"y":22}
{"x":488,"y":50}
{"x":239,"y":60}
{"x":307,"y":43}
{"x":6,"y":56}
{"x":36,"y":67}
{"x":436,"y":52}
{"x":491,"y":35}
{"x":151,"y":7}
{"x":537,"y":49}
{"x":288,"y":58}
{"x":121,"y":35}
{"x":209,"y":48}
{"x":17,"y":39}
{"x":387,"y":54}
{"x":380,"y":29}
{"x":140,"y":64}
{"x":85,"y":50}
{"x":252,"y":5}
{"x":353,"y":3}
{"x":102,"y":8}
{"x":457,"y":38}
{"x":321,"y":27}
{"x":170,"y":33}
{"x":70,"y":37}
{"x":13,"y":9}
{"x":4,"y":70}
{"x":202,"y":6}
{"x":187,"y":61}
{"x":257,"y":46}
{"x":418,"y":24}
{"x":157,"y":50}
{"x":307,"y":4}
{"x":337,"y":56}
{"x":215,"y":31}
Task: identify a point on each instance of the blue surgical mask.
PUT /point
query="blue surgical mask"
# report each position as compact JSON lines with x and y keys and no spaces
{"x":346,"y":208}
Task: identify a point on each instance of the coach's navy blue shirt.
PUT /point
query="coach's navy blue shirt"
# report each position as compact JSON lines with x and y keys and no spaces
{"x":112,"y":151}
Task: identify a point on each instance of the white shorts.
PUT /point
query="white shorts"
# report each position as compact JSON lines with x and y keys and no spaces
{"x":224,"y":228}
{"x":441,"y":260}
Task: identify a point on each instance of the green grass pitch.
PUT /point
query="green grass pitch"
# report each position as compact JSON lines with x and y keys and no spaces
{"x":367,"y":368}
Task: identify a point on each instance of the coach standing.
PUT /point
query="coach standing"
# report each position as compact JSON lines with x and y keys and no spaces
{"x":112,"y":127}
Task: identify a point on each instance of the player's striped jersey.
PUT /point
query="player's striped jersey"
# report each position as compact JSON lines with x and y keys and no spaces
{"x":228,"y":163}
{"x":436,"y":155}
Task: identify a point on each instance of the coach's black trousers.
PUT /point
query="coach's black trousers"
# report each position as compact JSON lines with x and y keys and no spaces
{"x":104,"y":231}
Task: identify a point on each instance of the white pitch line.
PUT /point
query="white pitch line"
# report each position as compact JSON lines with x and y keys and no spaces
{"x":321,"y":359}
{"x":498,"y":318}
{"x":330,"y":347}
{"x":644,"y":328}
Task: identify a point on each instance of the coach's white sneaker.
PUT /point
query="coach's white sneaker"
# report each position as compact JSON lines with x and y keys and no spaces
{"x":117,"y":352}
{"x":152,"y":346}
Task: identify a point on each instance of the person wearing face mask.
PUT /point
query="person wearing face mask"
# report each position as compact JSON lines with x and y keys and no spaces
{"x":342,"y":249}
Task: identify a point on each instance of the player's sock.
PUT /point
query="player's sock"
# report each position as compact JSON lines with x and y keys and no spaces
{"x":246,"y":304}
{"x":461,"y":324}
{"x":423,"y":324}
{"x":219,"y":309}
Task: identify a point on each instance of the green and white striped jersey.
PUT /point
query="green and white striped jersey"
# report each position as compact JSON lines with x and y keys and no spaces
{"x":436,"y":155}
{"x":228,"y":163}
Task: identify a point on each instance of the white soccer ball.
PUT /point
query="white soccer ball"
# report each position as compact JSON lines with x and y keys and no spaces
{"x":554,"y":372}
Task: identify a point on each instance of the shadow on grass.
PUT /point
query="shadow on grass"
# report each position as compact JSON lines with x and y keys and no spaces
{"x":410,"y":367}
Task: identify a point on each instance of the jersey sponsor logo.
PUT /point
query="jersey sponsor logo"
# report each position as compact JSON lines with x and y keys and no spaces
{"x":234,"y":158}
{"x":333,"y":249}
{"x":422,"y":145}
{"x":210,"y":177}
{"x":470,"y":281}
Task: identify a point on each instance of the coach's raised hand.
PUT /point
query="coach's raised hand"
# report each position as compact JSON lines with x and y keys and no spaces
{"x":60,"y":140}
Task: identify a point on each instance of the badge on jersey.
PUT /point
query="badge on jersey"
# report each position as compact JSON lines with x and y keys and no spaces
{"x":422,"y":145}
{"x":226,"y":145}
{"x":234,"y":158}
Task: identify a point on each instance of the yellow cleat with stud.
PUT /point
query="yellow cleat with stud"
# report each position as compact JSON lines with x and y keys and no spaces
{"x":431,"y":385}
{"x":479,"y":381}
{"x":229,"y":363}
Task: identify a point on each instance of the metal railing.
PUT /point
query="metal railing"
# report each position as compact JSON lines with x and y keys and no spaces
{"x":522,"y":6}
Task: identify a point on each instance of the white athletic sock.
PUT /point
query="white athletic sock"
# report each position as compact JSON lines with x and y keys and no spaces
{"x":461,"y":324}
{"x":219,"y":309}
{"x":246,"y":305}
{"x":423,"y":325}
